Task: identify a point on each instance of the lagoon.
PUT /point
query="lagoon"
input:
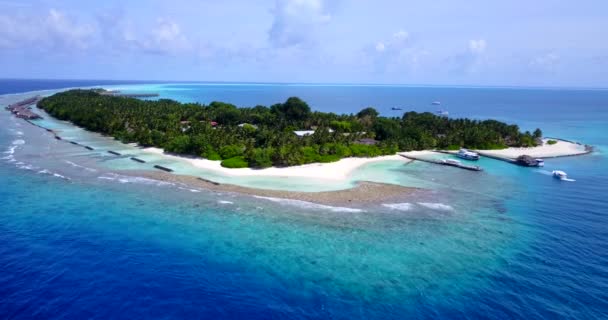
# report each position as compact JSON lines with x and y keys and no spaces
{"x":80,"y":240}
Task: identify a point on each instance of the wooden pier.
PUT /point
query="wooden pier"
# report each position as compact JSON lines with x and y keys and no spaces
{"x":22,"y":109}
{"x":443,"y":163}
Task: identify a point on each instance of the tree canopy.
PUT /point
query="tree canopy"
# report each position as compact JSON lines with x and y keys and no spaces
{"x":262,"y":137}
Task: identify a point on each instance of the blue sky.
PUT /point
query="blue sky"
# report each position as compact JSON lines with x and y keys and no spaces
{"x":440,"y":42}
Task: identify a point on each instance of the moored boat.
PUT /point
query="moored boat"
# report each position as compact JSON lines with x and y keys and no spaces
{"x":451,"y":161}
{"x":527,"y":161}
{"x":468,"y":155}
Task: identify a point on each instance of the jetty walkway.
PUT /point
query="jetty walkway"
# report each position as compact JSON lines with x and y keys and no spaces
{"x":22,"y":109}
{"x":444,"y":163}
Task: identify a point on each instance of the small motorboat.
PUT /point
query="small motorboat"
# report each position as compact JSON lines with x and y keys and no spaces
{"x":395,"y":108}
{"x":451,"y":162}
{"x":540,"y":162}
{"x":558,"y":174}
{"x":468,"y":155}
{"x":436,"y":103}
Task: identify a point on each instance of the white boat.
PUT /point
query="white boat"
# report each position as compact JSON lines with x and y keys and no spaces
{"x":436,"y":103}
{"x":451,"y":161}
{"x":468,"y":155}
{"x":540,"y":162}
{"x":558,"y":174}
{"x":443,"y":113}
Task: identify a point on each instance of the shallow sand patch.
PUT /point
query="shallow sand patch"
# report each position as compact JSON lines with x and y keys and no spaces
{"x":363,"y":192}
{"x":561,"y":148}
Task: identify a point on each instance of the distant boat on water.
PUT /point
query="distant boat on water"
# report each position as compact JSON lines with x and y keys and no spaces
{"x":443,"y":113}
{"x":436,"y":103}
{"x":396,"y":108}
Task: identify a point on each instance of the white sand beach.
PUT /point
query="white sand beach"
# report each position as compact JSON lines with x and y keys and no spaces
{"x":339,"y":170}
{"x":560,"y":149}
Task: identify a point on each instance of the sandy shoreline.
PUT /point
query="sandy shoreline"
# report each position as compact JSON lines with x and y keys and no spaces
{"x":339,"y":170}
{"x":362,"y":193}
{"x":560,"y":149}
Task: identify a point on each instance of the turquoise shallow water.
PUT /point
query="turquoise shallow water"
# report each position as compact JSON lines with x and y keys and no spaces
{"x":79,"y":240}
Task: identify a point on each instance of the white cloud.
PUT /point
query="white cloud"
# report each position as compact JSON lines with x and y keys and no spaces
{"x":547,"y":62}
{"x":397,"y":54}
{"x":470,"y":61}
{"x":477,"y":46}
{"x":166,"y":38}
{"x":401,"y":36}
{"x":54,"y":30}
{"x":295,"y":21}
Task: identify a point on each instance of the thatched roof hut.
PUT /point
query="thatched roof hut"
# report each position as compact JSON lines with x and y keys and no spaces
{"x":527,"y":161}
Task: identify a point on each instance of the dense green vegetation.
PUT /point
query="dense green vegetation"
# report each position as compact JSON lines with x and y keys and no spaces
{"x":550,"y":142}
{"x":264,"y":136}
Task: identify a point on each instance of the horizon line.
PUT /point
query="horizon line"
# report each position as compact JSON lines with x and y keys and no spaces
{"x":463,"y":86}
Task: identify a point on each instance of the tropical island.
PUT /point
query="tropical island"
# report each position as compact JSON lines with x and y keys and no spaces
{"x":284,"y":134}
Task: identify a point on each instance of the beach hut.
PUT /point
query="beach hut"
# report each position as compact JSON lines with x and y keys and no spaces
{"x":526,"y":161}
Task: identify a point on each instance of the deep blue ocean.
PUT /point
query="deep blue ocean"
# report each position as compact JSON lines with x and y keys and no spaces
{"x":516,"y":243}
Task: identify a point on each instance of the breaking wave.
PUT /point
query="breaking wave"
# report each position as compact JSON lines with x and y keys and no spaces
{"x":53,"y":174}
{"x":436,"y":206}
{"x":399,"y":206}
{"x":136,"y":180}
{"x":225,"y":202}
{"x":79,"y":166}
{"x":309,"y":205}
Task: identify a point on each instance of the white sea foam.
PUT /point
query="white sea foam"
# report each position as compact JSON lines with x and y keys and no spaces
{"x":26,"y":167}
{"x":61,"y":176}
{"x":309,"y":205}
{"x":136,"y":180}
{"x":436,"y":206}
{"x":18,"y":142}
{"x":54,"y":174}
{"x":188,"y":189}
{"x":225,"y":202}
{"x":79,"y":166}
{"x":10,"y":150}
{"x":399,"y":206}
{"x":19,"y":133}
